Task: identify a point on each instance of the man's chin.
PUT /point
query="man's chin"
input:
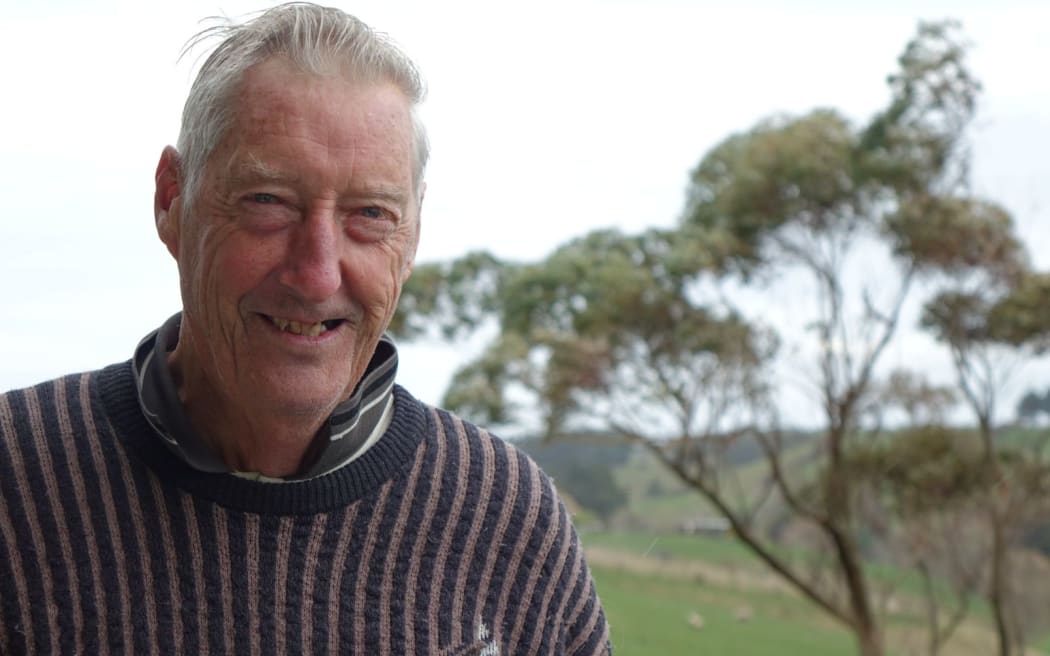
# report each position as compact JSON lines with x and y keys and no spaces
{"x":297,"y":397}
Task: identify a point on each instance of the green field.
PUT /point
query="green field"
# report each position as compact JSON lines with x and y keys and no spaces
{"x":652,"y":587}
{"x":650,"y":615}
{"x":669,"y":593}
{"x":675,"y":594}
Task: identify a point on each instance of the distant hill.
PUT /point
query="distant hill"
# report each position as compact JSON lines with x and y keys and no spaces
{"x":622,"y":482}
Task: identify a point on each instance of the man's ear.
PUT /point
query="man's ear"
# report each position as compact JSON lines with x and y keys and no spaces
{"x":167,"y":198}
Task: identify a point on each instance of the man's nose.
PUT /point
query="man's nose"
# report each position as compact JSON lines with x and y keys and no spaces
{"x":312,"y":267}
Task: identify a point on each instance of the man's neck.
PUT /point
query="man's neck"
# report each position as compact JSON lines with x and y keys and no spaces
{"x":268,"y":443}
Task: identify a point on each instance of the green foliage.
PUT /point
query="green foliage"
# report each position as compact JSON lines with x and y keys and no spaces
{"x":781,"y":173}
{"x":924,"y":468}
{"x":454,"y":297}
{"x":1018,"y":317}
{"x":955,"y":236}
{"x":959,"y":318}
{"x":478,"y":389}
{"x":913,"y":145}
{"x":609,"y":315}
{"x":1022,"y":316}
{"x":574,"y":324}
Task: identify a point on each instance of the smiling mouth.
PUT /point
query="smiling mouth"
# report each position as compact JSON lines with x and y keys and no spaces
{"x":307,"y":329}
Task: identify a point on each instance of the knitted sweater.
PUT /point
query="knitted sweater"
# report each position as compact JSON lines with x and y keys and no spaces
{"x":440,"y":539}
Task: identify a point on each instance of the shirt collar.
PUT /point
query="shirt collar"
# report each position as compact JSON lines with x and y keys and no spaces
{"x":352,"y":428}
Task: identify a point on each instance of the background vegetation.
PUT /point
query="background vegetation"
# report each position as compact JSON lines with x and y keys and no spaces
{"x":906,"y":517}
{"x":657,"y":581}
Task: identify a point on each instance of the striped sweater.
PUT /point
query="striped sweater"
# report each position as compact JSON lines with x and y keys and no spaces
{"x":440,"y":539}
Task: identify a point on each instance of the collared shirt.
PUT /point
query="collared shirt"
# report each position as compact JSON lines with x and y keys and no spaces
{"x":353,"y":427}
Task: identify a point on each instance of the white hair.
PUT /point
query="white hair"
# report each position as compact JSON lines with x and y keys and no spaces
{"x":318,"y":40}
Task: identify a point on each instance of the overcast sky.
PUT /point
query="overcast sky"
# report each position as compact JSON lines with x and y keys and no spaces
{"x":547,"y":119}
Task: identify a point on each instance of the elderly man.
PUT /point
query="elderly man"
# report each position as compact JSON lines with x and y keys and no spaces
{"x":252,"y":480}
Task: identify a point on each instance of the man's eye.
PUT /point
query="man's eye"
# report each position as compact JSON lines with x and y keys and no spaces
{"x":372,"y":212}
{"x":264,"y":199}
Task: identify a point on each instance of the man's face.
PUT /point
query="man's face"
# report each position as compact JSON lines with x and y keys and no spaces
{"x":294,"y":251}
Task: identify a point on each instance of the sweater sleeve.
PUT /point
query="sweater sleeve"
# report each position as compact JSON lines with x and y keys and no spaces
{"x":585,"y":631}
{"x":530,"y":576}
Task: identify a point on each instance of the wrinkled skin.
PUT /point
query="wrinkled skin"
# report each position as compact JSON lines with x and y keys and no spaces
{"x":308,"y":211}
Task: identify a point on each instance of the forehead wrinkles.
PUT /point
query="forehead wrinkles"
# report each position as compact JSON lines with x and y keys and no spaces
{"x":347,"y":136}
{"x":279,"y":99}
{"x":341,"y":120}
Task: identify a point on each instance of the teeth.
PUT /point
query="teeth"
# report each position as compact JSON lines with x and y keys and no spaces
{"x":308,"y":329}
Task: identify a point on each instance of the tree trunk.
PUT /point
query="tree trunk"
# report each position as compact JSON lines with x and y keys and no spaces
{"x":998,"y":594}
{"x":866,"y":626}
{"x":838,"y":493}
{"x":869,"y":641}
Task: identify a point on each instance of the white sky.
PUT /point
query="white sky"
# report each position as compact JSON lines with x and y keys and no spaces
{"x":547,"y":119}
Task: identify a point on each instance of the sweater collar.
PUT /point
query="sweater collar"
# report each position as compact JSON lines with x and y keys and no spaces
{"x":350,"y":430}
